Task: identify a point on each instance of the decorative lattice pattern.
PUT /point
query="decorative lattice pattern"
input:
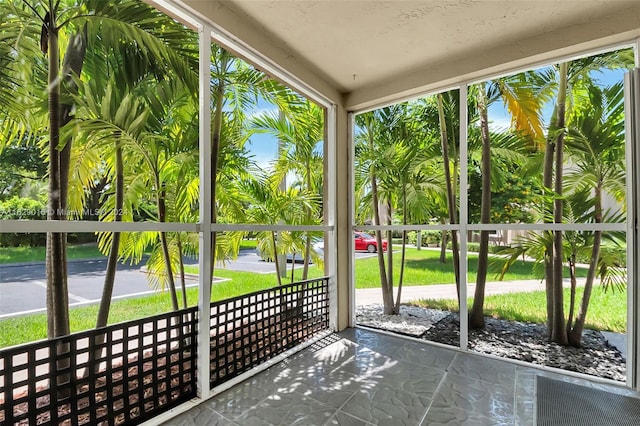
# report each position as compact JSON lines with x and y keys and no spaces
{"x":121,"y":374}
{"x":251,"y":329}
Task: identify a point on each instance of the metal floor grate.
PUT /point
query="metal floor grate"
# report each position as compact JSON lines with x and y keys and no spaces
{"x":561,"y":403}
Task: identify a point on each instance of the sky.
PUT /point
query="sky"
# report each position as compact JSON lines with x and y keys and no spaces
{"x":263,"y":147}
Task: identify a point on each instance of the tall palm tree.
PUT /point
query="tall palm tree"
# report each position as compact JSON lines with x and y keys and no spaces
{"x":371,"y":125}
{"x":106,"y":123}
{"x":524,"y":108}
{"x":595,"y":141}
{"x":450,"y":180}
{"x":271,"y":206}
{"x":558,"y":83}
{"x":27,"y":25}
{"x":565,"y":85}
{"x":301,"y":130}
{"x":235,"y":87}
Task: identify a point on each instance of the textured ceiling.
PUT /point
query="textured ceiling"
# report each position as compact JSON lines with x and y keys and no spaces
{"x":361,"y":45}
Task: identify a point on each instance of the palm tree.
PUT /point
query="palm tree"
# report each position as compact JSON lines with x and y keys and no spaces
{"x":418,"y":184}
{"x":369,"y":157}
{"x":301,"y":129}
{"x":595,"y":140}
{"x":562,"y":80}
{"x":271,"y":206}
{"x":106,"y":123}
{"x":27,"y":26}
{"x":450,"y":181}
{"x":235,"y":87}
{"x":569,"y":83}
{"x":523,"y":106}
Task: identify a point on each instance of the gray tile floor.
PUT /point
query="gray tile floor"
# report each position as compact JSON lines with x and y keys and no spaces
{"x":361,"y":377}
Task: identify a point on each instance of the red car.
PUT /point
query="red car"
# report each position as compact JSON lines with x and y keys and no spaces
{"x":365,"y":242}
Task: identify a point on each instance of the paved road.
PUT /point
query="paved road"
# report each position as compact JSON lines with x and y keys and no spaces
{"x":23,"y":287}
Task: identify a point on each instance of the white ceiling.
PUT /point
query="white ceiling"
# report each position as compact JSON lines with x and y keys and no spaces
{"x":370,"y":51}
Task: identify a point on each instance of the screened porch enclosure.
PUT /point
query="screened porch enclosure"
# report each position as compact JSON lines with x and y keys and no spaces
{"x":292,"y":352}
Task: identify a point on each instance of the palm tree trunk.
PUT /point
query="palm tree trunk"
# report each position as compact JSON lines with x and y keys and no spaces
{"x":307,"y":257}
{"x":451,"y":202}
{"x":559,"y":331}
{"x":216,"y":131}
{"x":387,"y":294}
{"x":275,"y":257}
{"x":572,"y":297}
{"x":575,"y":335}
{"x":71,"y":67}
{"x":56,"y":266}
{"x":389,"y":260}
{"x":55,"y":263}
{"x":162,"y":211}
{"x":547,"y":182}
{"x":548,"y":255}
{"x":293,"y":267}
{"x":183,"y":282}
{"x":476,"y":316}
{"x":307,"y":245}
{"x":404,"y":249}
{"x":112,"y":262}
{"x":443,"y":247}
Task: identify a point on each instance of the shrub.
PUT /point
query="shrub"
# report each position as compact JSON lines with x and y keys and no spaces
{"x":428,"y":237}
{"x":18,"y":208}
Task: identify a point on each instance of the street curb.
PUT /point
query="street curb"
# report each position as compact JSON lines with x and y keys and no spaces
{"x":12,"y":265}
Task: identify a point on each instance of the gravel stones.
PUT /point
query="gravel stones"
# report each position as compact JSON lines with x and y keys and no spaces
{"x":508,"y":339}
{"x":412,"y":320}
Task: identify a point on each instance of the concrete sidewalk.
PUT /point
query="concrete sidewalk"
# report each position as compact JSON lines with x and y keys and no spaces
{"x":367,"y":296}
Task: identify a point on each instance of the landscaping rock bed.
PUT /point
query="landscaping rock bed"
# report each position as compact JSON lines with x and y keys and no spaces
{"x":508,"y":339}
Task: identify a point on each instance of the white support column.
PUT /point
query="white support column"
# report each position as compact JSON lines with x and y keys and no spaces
{"x":632,"y":133}
{"x":342,"y":226}
{"x":463,"y":219}
{"x":330,"y":245}
{"x":204,"y":261}
{"x":352,"y":212}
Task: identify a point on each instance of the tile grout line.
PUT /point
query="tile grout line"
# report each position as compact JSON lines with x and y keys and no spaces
{"x":220,"y":414}
{"x":435,"y":392}
{"x":340,"y":408}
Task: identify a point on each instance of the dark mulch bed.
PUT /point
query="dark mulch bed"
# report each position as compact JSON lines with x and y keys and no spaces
{"x":529,"y":342}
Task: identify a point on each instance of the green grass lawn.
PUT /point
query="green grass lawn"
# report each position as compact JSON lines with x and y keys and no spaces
{"x":248,"y":244}
{"x":37,"y":254}
{"x":607,"y":310}
{"x":80,"y":251}
{"x":423,"y":267}
{"x":33,"y":327}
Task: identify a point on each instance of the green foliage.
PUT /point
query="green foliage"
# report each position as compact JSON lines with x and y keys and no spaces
{"x":24,"y":209}
{"x":511,"y":200}
{"x":429,"y":238}
{"x":21,"y":171}
{"x":37,"y":254}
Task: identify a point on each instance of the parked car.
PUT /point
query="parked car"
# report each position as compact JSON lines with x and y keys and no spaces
{"x":365,"y":242}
